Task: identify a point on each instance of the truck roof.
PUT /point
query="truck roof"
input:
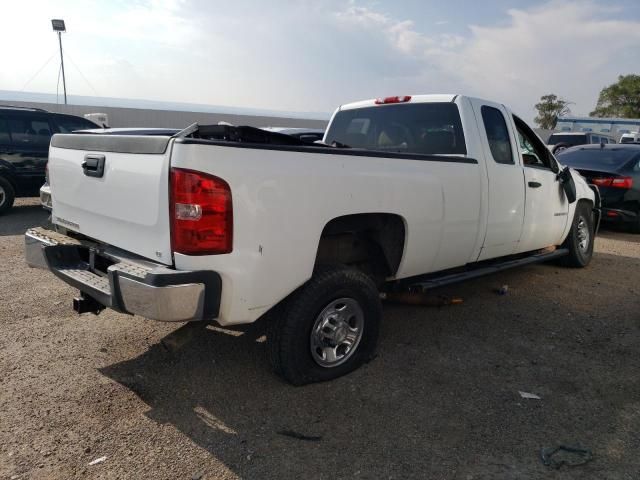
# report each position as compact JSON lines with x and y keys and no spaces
{"x":449,"y":97}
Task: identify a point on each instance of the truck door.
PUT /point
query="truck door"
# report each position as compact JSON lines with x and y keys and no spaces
{"x":506,"y":196}
{"x":30,"y":136}
{"x":547,"y":207}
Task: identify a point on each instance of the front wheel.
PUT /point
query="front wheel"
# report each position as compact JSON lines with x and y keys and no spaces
{"x":580,"y":240}
{"x":7,"y":195}
{"x":326,"y":329}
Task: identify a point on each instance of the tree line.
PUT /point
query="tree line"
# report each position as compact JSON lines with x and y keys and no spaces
{"x":620,"y":99}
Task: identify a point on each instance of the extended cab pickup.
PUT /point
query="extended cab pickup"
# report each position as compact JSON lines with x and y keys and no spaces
{"x":233,"y":224}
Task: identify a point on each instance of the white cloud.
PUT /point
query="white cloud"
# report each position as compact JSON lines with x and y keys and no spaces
{"x":569,"y":48}
{"x":313,"y":56}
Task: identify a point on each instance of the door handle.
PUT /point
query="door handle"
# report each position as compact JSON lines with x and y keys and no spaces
{"x":93,"y":165}
{"x":535,"y":184}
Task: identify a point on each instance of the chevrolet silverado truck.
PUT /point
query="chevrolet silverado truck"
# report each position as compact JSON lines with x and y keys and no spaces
{"x":233,"y":224}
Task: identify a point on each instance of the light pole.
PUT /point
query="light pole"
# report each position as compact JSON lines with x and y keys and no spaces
{"x":58,"y":26}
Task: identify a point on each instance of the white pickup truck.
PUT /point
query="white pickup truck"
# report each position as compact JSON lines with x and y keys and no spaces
{"x":233,"y":224}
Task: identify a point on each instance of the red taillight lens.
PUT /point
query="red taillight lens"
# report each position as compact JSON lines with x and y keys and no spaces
{"x":201,"y":213}
{"x":382,"y":101}
{"x":618,"y":182}
{"x":622,"y":182}
{"x":602,"y":182}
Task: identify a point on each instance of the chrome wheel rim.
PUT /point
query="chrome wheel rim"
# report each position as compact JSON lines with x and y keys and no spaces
{"x":583,"y":234}
{"x":3,"y":196}
{"x":337,"y":332}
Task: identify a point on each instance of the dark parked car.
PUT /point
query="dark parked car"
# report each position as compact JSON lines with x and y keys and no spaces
{"x":615,"y":169}
{"x":24,"y":145}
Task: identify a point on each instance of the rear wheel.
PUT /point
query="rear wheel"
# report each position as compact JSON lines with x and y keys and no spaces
{"x":580,"y":240}
{"x":7,"y":195}
{"x":560,"y":147}
{"x":326,"y":329}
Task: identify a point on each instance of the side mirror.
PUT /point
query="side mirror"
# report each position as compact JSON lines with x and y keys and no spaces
{"x":568,"y":184}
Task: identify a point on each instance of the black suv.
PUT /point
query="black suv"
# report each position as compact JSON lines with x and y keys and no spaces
{"x":24,"y":146}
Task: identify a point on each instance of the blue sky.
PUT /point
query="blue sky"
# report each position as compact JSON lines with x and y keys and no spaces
{"x":314,"y":55}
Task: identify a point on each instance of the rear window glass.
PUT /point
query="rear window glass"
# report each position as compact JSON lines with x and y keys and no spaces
{"x":497,"y":135}
{"x":30,"y":131}
{"x":424,"y":128}
{"x":591,"y":158}
{"x":568,"y":139}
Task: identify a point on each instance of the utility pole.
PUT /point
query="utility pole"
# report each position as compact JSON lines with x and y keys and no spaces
{"x":59,"y":27}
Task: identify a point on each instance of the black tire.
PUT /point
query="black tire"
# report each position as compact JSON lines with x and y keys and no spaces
{"x":580,"y":254}
{"x":7,"y":195}
{"x":559,"y":148}
{"x":290,"y":337}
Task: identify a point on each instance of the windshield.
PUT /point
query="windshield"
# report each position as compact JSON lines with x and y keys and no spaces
{"x":426,"y":128}
{"x":594,"y":158}
{"x":627,"y":140}
{"x":568,"y":139}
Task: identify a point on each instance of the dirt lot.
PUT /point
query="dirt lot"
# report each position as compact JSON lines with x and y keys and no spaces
{"x":440,"y":401}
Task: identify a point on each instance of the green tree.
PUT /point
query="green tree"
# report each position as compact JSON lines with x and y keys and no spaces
{"x":620,"y":99}
{"x":549,"y":109}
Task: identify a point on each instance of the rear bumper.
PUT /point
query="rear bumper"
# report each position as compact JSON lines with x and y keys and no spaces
{"x":45,"y":196}
{"x":125,"y":283}
{"x":618,"y":215}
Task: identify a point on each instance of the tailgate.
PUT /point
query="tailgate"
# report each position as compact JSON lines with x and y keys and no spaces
{"x":114,"y":189}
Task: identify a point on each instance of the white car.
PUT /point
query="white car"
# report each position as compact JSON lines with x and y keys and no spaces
{"x":233,"y":224}
{"x":633,"y":137}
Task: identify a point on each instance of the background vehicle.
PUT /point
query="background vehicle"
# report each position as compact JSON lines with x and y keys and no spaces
{"x":24,"y":145}
{"x":305,"y":134}
{"x":237,"y":223}
{"x":615,"y":169}
{"x":633,"y":137}
{"x":562,"y":140}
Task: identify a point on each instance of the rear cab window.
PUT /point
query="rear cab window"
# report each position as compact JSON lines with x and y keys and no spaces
{"x":418,"y":128}
{"x":568,"y":139}
{"x":29,"y":131}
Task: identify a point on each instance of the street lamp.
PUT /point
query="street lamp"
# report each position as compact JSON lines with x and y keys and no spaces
{"x":58,"y":26}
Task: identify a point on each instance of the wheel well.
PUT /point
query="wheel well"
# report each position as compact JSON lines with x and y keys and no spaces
{"x":11,"y":180}
{"x":372,"y":242}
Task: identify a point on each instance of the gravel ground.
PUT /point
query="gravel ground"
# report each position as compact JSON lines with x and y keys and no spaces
{"x":440,"y":401}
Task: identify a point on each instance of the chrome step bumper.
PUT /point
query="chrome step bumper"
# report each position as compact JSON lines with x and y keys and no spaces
{"x":124,"y":282}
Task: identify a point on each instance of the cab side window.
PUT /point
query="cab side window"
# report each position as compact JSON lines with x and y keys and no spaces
{"x":497,"y":135}
{"x":533,"y":151}
{"x":30,"y":131}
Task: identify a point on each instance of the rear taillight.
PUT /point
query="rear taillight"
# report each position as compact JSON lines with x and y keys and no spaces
{"x":201,"y":213}
{"x":383,"y":101}
{"x":617,"y":182}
